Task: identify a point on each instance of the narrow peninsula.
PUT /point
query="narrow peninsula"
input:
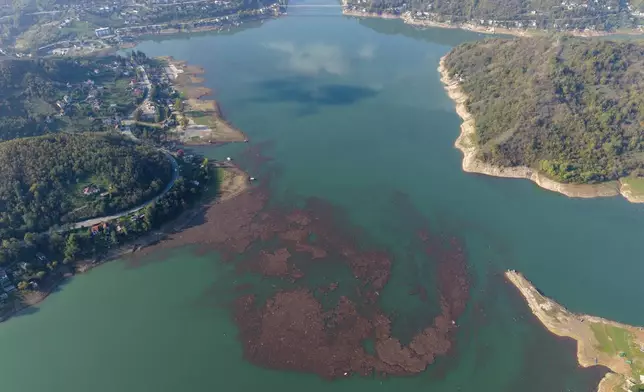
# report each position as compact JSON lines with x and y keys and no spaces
{"x":564,"y":113}
{"x":617,"y":346}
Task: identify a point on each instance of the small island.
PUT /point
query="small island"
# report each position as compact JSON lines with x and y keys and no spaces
{"x":617,"y":346}
{"x":563,"y":112}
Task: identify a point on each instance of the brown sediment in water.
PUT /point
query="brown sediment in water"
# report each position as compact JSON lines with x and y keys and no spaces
{"x":292,"y":330}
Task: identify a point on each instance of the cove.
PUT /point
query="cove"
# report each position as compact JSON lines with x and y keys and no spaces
{"x":352,"y":112}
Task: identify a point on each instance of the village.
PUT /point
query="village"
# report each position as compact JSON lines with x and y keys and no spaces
{"x":86,"y":27}
{"x":560,"y":18}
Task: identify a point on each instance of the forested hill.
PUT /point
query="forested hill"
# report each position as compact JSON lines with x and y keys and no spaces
{"x":572,"y":108}
{"x":543,"y":14}
{"x":62,"y":178}
{"x":41,"y":95}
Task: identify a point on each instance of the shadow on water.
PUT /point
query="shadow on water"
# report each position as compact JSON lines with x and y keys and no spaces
{"x":26,"y":312}
{"x":300,"y":90}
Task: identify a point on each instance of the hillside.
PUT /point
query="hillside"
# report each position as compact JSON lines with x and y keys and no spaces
{"x":570,"y":108}
{"x":57,"y":179}
{"x":603,"y":15}
{"x":38,"y":96}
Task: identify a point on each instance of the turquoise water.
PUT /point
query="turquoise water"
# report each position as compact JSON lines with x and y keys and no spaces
{"x":352,"y":112}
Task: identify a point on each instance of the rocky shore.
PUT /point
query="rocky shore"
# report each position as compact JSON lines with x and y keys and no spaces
{"x":561,"y":322}
{"x":472,"y":164}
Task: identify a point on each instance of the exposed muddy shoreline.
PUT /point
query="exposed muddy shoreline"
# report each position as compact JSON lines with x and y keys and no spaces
{"x":205,"y":121}
{"x":472,"y":164}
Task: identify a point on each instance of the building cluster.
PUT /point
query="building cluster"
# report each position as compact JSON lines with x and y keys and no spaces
{"x":568,"y":15}
{"x":132,"y":18}
{"x":23,"y":275}
{"x":89,"y":95}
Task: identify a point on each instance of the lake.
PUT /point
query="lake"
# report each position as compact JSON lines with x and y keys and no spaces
{"x":350,"y":112}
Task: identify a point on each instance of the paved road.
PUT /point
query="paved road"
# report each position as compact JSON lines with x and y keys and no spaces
{"x":95,"y":221}
{"x":175,"y":175}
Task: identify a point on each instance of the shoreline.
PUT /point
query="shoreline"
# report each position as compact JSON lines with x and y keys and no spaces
{"x":407,"y":18}
{"x":561,"y":322}
{"x":211,"y":127}
{"x":471,"y":164}
{"x":233,"y":184}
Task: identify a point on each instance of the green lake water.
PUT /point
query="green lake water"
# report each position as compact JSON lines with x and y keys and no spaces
{"x":351,"y":111}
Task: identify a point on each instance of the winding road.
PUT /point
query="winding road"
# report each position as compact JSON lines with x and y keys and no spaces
{"x":95,"y":221}
{"x":100,"y":219}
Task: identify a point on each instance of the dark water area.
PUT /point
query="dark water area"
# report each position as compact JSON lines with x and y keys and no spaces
{"x":360,"y":243}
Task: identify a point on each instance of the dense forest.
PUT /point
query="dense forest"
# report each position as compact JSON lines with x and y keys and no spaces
{"x":572,"y":108}
{"x":42,"y":95}
{"x":62,"y":178}
{"x":545,"y":14}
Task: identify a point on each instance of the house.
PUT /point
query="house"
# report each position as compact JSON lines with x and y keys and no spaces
{"x":90,"y":190}
{"x":95,"y":229}
{"x":103,"y":32}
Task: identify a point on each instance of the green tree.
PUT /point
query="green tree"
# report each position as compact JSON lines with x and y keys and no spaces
{"x":149,"y":216}
{"x":40,"y":274}
{"x":137,"y":115}
{"x":29,"y":238}
{"x":178,"y":104}
{"x":71,"y":248}
{"x":113,"y":238}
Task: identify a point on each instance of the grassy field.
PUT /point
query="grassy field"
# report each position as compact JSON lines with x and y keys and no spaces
{"x":201,"y":118}
{"x":615,"y":341}
{"x":636,"y":185}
